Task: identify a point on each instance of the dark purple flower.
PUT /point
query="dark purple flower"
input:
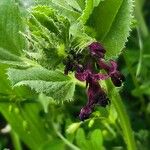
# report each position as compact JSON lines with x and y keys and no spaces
{"x":86,"y":70}
{"x":96,"y":95}
{"x":88,"y":76}
{"x":85,"y":112}
{"x":117,"y":78}
{"x":112,"y":70}
{"x":97,"y":50}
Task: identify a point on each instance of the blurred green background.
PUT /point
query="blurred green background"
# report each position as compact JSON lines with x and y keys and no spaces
{"x":101,"y":133}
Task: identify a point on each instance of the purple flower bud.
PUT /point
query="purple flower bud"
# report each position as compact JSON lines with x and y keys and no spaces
{"x":81,"y":75}
{"x":97,"y":50}
{"x":116,"y":77}
{"x":96,"y":95}
{"x":85,"y":112}
{"x":104,"y":65}
{"x":102,"y":99}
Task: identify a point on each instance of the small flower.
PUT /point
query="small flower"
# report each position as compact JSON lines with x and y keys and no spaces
{"x":86,"y":70}
{"x":97,"y":50}
{"x":96,"y":95}
{"x":117,"y":78}
{"x":112,"y":70}
{"x":88,"y":76}
{"x":85,"y":112}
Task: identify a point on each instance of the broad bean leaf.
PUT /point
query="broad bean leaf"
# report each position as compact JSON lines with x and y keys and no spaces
{"x":52,"y":83}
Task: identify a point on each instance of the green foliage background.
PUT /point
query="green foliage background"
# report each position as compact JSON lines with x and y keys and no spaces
{"x":39,"y":105}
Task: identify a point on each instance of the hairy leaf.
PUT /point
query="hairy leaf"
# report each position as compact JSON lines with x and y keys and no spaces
{"x":111,"y":20}
{"x":52,"y":83}
{"x":81,"y":3}
{"x":48,"y":36}
{"x":89,"y":6}
{"x":7,"y":57}
{"x":10,"y":25}
{"x":67,"y":9}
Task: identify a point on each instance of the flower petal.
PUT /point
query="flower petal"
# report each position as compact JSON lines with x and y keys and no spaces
{"x":97,"y":50}
{"x":85,"y":113}
{"x":81,"y":76}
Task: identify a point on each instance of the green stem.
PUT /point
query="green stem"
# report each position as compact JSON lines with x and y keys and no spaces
{"x":16,"y":141}
{"x":73,"y":147}
{"x":141,"y":54}
{"x":140,"y":18}
{"x":123,"y":117}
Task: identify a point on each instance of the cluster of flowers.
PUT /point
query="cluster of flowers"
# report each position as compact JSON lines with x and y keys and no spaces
{"x":86,"y":68}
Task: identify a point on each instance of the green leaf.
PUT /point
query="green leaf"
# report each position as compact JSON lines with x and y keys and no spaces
{"x":10,"y":25}
{"x":7,"y":93}
{"x":80,"y":40}
{"x":142,"y":89}
{"x":45,"y":101}
{"x":25,"y":120}
{"x":80,"y":138}
{"x":112,"y":114}
{"x":87,"y":11}
{"x":96,"y":139}
{"x":52,"y":83}
{"x":8,"y":58}
{"x":74,"y":5}
{"x":94,"y":142}
{"x":89,"y":6}
{"x":81,"y":3}
{"x":53,"y":145}
{"x":4,"y":85}
{"x":65,"y":9}
{"x":111,"y":21}
{"x":48,"y":36}
{"x":73,"y":127}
